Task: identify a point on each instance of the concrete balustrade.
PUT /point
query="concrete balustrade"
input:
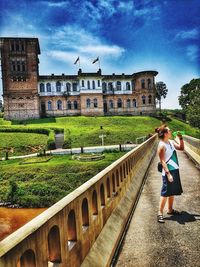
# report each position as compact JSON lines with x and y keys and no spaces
{"x":192,"y":148}
{"x":84,"y":227}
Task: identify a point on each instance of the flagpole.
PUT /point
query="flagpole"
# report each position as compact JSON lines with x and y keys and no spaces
{"x":99,"y":63}
{"x":79,"y":63}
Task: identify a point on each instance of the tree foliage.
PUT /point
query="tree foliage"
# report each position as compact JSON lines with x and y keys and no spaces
{"x":190,"y":101}
{"x":161,"y":91}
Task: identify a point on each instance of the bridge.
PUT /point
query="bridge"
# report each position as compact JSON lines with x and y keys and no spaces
{"x":87,"y":227}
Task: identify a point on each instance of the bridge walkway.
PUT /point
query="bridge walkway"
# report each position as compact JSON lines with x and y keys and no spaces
{"x":176,"y":242}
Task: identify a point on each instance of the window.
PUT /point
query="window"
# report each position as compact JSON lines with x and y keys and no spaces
{"x":41,"y":88}
{"x":83,"y":84}
{"x":134,"y":103}
{"x":59,"y":105}
{"x":58,"y":87}
{"x":150,"y":99}
{"x":99,"y":83}
{"x":75,"y":104}
{"x":128,"y":87}
{"x":110,"y":86}
{"x":143,"y":84}
{"x":88,"y":103}
{"x":49,"y":105}
{"x":133,"y":84}
{"x":69,"y":105}
{"x":93,"y":84}
{"x":88,"y":84}
{"x":68,"y":87}
{"x":128,"y":103}
{"x":95,"y":103}
{"x":104,"y":87}
{"x":48,"y":86}
{"x":143,"y":100}
{"x":119,"y":103}
{"x":119,"y":86}
{"x":149,"y":83}
{"x":74,"y":86}
{"x":111,"y":105}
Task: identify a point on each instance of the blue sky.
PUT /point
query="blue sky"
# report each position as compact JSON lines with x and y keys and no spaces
{"x":128,"y":36}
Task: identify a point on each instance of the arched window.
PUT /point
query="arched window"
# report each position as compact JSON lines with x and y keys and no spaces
{"x":111,"y":105}
{"x":49,"y":105}
{"x":110,"y":86}
{"x":58,"y":86}
{"x":119,"y":103}
{"x":150,"y":99}
{"x":83,"y":83}
{"x":48,"y":86}
{"x":71,"y":229}
{"x":88,"y":102}
{"x":28,"y":259}
{"x":119,"y":86}
{"x":108,"y":187}
{"x":104,"y":87}
{"x":128,"y":87}
{"x":41,"y":88}
{"x":93,"y":84}
{"x":113,"y":183}
{"x":94,"y":203}
{"x":143,"y":84}
{"x":102,"y":195}
{"x":134,"y":103}
{"x":149,"y":83}
{"x":54,"y":248}
{"x":88,"y":84}
{"x":59,"y":105}
{"x":75,"y":104}
{"x":98,"y":82}
{"x":74,"y":86}
{"x":68,"y":87}
{"x":69,"y":105}
{"x":128,"y":103}
{"x":85,"y":213}
{"x":143,"y":100}
{"x":95,"y":103}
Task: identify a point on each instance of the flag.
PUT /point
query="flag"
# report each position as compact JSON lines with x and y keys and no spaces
{"x":97,"y":59}
{"x":76,"y":60}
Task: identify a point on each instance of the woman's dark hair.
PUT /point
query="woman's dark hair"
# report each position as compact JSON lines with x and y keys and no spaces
{"x":161,"y":131}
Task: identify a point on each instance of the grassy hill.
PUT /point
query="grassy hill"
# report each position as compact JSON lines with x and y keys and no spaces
{"x":85,"y":131}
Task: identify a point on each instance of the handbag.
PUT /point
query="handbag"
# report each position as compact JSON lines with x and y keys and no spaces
{"x":159,"y":167}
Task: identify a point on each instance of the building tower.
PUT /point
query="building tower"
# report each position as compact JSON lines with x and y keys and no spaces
{"x":20,"y":77}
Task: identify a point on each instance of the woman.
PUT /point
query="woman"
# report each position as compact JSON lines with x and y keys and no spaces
{"x":170,"y":170}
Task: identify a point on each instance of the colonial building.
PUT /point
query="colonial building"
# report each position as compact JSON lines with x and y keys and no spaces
{"x":27,"y":94}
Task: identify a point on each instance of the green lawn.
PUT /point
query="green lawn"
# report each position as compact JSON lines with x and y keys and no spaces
{"x":43,"y":184}
{"x":21,"y":143}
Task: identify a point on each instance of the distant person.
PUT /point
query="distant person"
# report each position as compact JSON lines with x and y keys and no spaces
{"x":171,"y":185}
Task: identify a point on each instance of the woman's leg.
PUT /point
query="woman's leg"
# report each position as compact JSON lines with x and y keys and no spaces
{"x":170,"y":203}
{"x":162,"y":205}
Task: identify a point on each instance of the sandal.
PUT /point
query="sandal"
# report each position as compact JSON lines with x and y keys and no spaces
{"x":160,"y":218}
{"x":174,"y":212}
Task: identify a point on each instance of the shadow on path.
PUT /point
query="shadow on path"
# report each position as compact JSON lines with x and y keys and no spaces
{"x":184,"y":217}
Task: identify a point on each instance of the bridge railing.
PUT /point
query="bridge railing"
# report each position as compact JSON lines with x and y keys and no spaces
{"x":64,"y":234}
{"x":192,"y":148}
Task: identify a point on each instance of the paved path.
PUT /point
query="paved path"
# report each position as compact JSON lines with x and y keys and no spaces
{"x":59,"y":140}
{"x":176,"y":243}
{"x":91,"y":149}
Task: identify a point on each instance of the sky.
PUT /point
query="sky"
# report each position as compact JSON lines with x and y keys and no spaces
{"x":128,"y":36}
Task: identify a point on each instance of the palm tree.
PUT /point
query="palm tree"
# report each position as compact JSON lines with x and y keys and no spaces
{"x":161,"y":91}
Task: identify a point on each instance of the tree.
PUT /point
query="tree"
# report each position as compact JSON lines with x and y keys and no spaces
{"x":161,"y":91}
{"x":189,"y":100}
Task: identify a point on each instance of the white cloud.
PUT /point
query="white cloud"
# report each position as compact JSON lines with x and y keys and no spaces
{"x":192,"y":52}
{"x":191,"y":34}
{"x":54,"y":4}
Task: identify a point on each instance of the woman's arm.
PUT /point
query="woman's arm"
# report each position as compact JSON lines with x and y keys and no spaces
{"x":179,"y":146}
{"x":161,"y":154}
